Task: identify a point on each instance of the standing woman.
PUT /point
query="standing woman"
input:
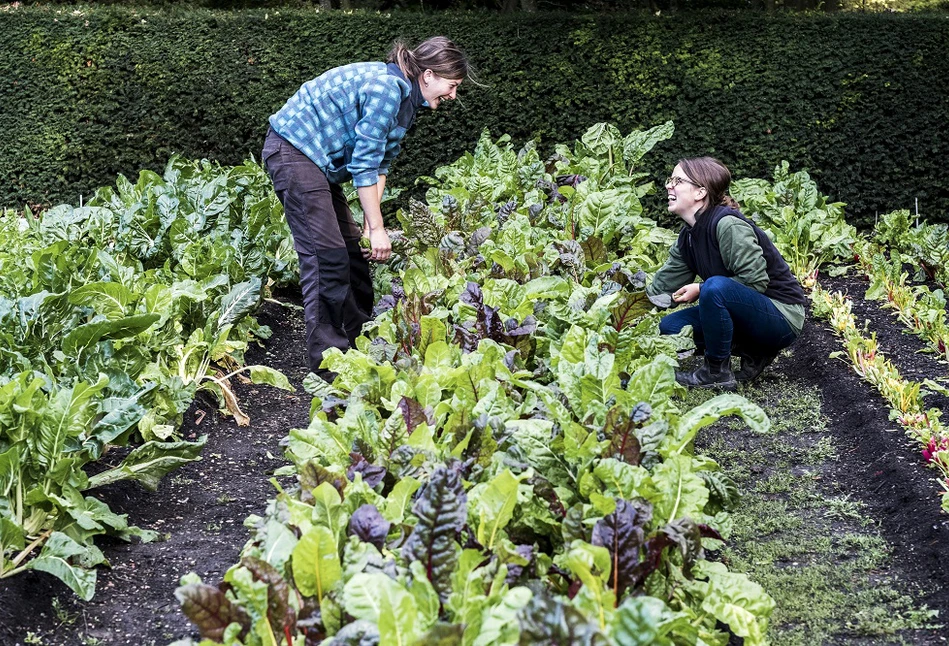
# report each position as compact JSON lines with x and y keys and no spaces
{"x":749,"y":301}
{"x":348,"y":124}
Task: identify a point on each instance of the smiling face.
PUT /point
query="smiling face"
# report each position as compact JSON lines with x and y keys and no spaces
{"x":436,"y":89}
{"x":686,"y":197}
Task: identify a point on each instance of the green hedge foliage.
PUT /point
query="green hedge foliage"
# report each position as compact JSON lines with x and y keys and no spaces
{"x":858,"y":100}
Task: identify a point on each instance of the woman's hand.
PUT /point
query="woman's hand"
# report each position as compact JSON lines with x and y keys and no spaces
{"x":686,"y":294}
{"x":370,"y":197}
{"x":380,"y":247}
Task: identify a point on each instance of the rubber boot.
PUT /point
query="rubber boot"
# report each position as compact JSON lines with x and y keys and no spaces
{"x":752,"y":366}
{"x":713,"y":373}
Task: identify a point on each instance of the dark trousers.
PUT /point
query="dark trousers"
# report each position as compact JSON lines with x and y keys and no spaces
{"x":729,"y":315}
{"x":334,"y":275}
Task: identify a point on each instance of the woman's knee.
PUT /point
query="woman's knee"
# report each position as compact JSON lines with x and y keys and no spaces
{"x":671,"y":324}
{"x":715,"y":285}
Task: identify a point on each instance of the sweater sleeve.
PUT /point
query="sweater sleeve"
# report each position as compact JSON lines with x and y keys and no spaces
{"x":742,"y":254}
{"x":380,"y":105}
{"x":672,"y":275}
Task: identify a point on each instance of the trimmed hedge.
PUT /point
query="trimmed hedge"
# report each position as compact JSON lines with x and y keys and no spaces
{"x":859,"y":100}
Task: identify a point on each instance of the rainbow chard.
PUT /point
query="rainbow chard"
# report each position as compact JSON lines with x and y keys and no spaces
{"x":442,"y":512}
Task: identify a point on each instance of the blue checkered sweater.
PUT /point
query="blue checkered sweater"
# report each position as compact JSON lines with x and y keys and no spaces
{"x":346,"y":121}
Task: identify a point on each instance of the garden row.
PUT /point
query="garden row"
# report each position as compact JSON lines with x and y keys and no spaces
{"x":501,"y":460}
{"x":811,"y":232}
{"x":112,"y":316}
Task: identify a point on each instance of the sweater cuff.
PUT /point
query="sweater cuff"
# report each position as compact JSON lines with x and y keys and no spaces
{"x":366,"y":178}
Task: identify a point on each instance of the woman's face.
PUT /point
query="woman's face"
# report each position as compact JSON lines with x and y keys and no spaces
{"x":685,"y":196}
{"x":436,"y":89}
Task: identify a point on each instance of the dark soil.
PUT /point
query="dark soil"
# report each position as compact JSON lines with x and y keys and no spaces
{"x":201,"y":507}
{"x":883,"y":468}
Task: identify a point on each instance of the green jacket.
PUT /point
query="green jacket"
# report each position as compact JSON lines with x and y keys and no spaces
{"x":743,"y":257}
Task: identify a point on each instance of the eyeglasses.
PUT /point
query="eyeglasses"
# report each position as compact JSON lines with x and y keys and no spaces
{"x":676,"y":180}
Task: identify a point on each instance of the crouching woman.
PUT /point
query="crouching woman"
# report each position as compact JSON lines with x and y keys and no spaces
{"x":749,"y":302}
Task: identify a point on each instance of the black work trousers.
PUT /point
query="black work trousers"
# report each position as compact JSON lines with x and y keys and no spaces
{"x":334,"y":275}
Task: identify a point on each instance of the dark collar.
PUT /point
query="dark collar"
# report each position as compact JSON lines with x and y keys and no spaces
{"x":412,"y":103}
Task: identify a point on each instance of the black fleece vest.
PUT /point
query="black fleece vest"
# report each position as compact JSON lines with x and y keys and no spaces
{"x":699,"y":248}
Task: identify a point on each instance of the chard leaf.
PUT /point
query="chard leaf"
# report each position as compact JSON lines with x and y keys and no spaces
{"x":646,"y":621}
{"x":679,"y":491}
{"x":594,"y":251}
{"x":280,"y":613}
{"x":11,"y":535}
{"x":399,"y":498}
{"x":628,"y":308}
{"x":120,"y":416}
{"x":312,"y":475}
{"x":239,"y":302}
{"x":710,"y":412}
{"x":109,"y":299}
{"x":270,"y":376}
{"x":413,"y":413}
{"x":426,"y":599}
{"x":601,"y":138}
{"x":83,"y":336}
{"x":149,"y":463}
{"x":70,"y":562}
{"x":735,"y":600}
{"x":638,"y":143}
{"x":535,"y":439}
{"x":315,"y":562}
{"x":495,"y":506}
{"x":623,"y":534}
{"x":655,"y":384}
{"x":597,"y":214}
{"x":441,"y":511}
{"x":210,"y":610}
{"x":356,"y":633}
{"x":620,"y":428}
{"x":66,"y":416}
{"x":328,"y":508}
{"x":376,"y":598}
{"x":499,"y":622}
{"x":547,"y":620}
{"x":10,"y":463}
{"x":369,"y":526}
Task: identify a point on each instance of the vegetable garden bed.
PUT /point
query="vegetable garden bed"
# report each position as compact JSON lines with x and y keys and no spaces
{"x":202,"y":508}
{"x":484,"y":494}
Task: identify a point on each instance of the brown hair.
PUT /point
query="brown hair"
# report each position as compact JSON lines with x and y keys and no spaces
{"x":436,"y":53}
{"x":713,"y":176}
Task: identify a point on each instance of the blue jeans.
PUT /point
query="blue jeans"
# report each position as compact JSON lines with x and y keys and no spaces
{"x":729,"y":312}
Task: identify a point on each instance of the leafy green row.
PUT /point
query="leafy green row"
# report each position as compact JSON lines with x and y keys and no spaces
{"x":111,"y":316}
{"x":501,"y":459}
{"x":921,"y":309}
{"x":923,"y":245}
{"x":806,"y":227}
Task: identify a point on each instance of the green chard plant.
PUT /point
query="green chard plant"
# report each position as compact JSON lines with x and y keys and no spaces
{"x":807,"y":228}
{"x":501,"y":459}
{"x":111,"y":318}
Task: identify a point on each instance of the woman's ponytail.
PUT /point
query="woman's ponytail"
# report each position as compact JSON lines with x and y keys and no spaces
{"x":404,"y":57}
{"x":436,"y":53}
